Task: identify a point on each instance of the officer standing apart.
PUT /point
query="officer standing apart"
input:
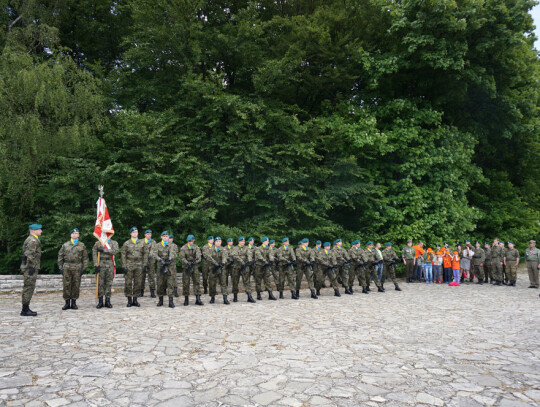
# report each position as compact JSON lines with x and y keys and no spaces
{"x":72,"y":262}
{"x":511,"y":262}
{"x":105,"y":269}
{"x":207,"y":262}
{"x":190,"y":256}
{"x":286,"y":258}
{"x":134,"y":259}
{"x":30,"y":265}
{"x":151,"y":245}
{"x":408,"y":255}
{"x":532,"y":256}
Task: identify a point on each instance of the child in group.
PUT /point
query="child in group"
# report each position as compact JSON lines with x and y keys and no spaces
{"x":456,"y":268}
{"x":429,"y":255}
{"x":438,"y":265}
{"x":447,"y":264}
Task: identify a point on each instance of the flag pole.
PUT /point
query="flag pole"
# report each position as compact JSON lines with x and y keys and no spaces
{"x":100,"y":188}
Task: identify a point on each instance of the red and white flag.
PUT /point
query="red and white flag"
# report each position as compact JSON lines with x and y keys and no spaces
{"x":104,"y":230}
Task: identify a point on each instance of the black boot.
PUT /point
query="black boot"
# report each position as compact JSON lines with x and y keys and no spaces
{"x":212,"y":299}
{"x":160,"y":302}
{"x":351,"y":289}
{"x":336,"y":292}
{"x":235,"y":297}
{"x":397,"y":287}
{"x":364,"y":290}
{"x":198,"y":300}
{"x":259,"y":295}
{"x":129,"y":302}
{"x":512,"y":283}
{"x":281,"y":295}
{"x":486,"y":280}
{"x":142,"y":293}
{"x":225,"y":300}
{"x":135,"y":302}
{"x":171,"y":302}
{"x":380,"y":289}
{"x":176,"y":292}
{"x":108,"y":302}
{"x":293,"y":295}
{"x":497,"y":282}
{"x":205,"y":290}
{"x":383,"y":290}
{"x":250,"y":298}
{"x":318,"y":291}
{"x":152,"y":293}
{"x":100,"y":303}
{"x":271,"y":296}
{"x":298,"y":293}
{"x":313,"y":295}
{"x":67,"y":305}
{"x":186,"y":301}
{"x":74,"y":304}
{"x":27,"y":312}
{"x":347,"y":290}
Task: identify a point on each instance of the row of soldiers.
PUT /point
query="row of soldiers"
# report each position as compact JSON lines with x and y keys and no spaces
{"x":147,"y":258}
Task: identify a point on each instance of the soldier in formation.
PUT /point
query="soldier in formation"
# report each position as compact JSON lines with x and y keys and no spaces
{"x":190,"y":256}
{"x":103,"y":258}
{"x":134,"y":260}
{"x":72,"y":262}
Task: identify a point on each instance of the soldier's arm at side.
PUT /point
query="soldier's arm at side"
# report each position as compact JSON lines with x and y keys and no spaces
{"x":124,"y":255}
{"x":94,"y":254}
{"x":84,"y":255}
{"x":61,"y":257}
{"x":30,"y":252}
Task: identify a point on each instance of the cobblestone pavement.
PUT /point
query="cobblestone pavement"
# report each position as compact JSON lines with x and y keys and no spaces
{"x":429,"y":344}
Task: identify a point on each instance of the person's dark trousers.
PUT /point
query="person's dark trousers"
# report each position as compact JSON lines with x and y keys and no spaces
{"x":417,"y":272}
{"x":447,"y":274}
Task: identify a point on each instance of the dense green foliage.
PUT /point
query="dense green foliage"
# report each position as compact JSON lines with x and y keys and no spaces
{"x":375,"y":119}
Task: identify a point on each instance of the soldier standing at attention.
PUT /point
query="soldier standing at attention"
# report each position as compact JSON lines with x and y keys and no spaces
{"x":511,"y":261}
{"x":251,"y":264}
{"x":134,"y":258}
{"x":487,"y":264}
{"x":286,"y":258}
{"x":497,"y":255}
{"x":150,"y":266}
{"x":390,"y":258}
{"x":357,"y":266}
{"x":172,"y":266}
{"x":274,"y":266}
{"x":532,"y":256}
{"x":228,"y":265}
{"x":105,"y":269}
{"x":327,"y":260}
{"x":165,"y":254}
{"x":408,"y":255}
{"x":217,"y":273}
{"x":190,"y":256}
{"x":242,"y":255}
{"x":264,"y":258}
{"x":372,"y":260}
{"x":317,"y":278}
{"x":305,"y":261}
{"x":30,"y":265}
{"x":478,"y":259}
{"x":207,"y":262}
{"x":72,"y":262}
{"x":343,"y":259}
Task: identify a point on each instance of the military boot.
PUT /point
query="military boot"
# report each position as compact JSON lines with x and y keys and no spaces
{"x":298,"y":293}
{"x":367,"y":288}
{"x":67,"y":305}
{"x":250,"y":298}
{"x":160,"y":302}
{"x":74,"y":304}
{"x":293,"y":295}
{"x":176,"y":292}
{"x":281,"y":295}
{"x":397,"y":287}
{"x":100,"y":303}
{"x":347,"y":291}
{"x":129,"y":302}
{"x":108,"y":302}
{"x":497,"y":282}
{"x":259,"y":295}
{"x":152,"y":293}
{"x":171,"y":302}
{"x":186,"y":301}
{"x":512,"y":283}
{"x":313,"y":295}
{"x":486,"y":280}
{"x":271,"y":296}
{"x":225,"y":300}
{"x":336,"y":292}
{"x":364,"y":290}
{"x":380,"y":289}
{"x":205,"y":290}
{"x":212,"y":299}
{"x":135,"y":302}
{"x":27,"y":312}
{"x":142,"y":293}
{"x":198,"y":300}
{"x":318,"y":291}
{"x":235,"y":297}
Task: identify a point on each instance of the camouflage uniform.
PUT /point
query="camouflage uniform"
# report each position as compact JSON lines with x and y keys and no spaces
{"x":478,"y":259}
{"x":106,"y":273}
{"x":30,"y":267}
{"x":342,"y":256}
{"x":274,"y":267}
{"x":218,"y":255}
{"x":151,"y":246}
{"x":304,"y":255}
{"x":409,"y":255}
{"x":389,"y":257}
{"x":372,"y":257}
{"x":228,"y":269}
{"x":532,"y":256}
{"x":134,"y":256}
{"x":326,"y":259}
{"x":241,"y":254}
{"x":191,"y":254}
{"x":207,"y":264}
{"x":286,"y":257}
{"x":166,"y":281}
{"x":488,"y":265}
{"x":511,"y":257}
{"x":357,"y":268}
{"x":264,"y":258}
{"x":497,"y":255}
{"x":173,"y":267}
{"x":318,"y":277}
{"x":73,"y":260}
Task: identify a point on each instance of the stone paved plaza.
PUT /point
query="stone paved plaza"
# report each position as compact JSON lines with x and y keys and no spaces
{"x":429,"y":344}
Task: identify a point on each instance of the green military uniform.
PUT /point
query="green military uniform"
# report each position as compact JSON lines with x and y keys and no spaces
{"x":497,"y":255}
{"x":372,"y":258}
{"x":173,"y":269}
{"x":532,"y":256}
{"x":73,"y":261}
{"x":342,"y":259}
{"x":389,"y":271}
{"x":408,"y":254}
{"x":150,"y":271}
{"x":305,"y":258}
{"x":264,"y":258}
{"x":134,"y":258}
{"x":207,"y":263}
{"x":286,"y":258}
{"x":242,"y":255}
{"x":274,"y":266}
{"x":511,"y":258}
{"x":488,"y":273}
{"x":327,"y":260}
{"x":477,"y":262}
{"x":106,"y":268}
{"x":318,"y":277}
{"x":217,"y":273}
{"x":190,"y":256}
{"x":228,"y":264}
{"x":30,"y":265}
{"x":165,"y":253}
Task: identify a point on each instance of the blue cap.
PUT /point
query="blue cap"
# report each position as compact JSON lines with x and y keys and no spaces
{"x":241,"y":238}
{"x":264,"y":239}
{"x":171,"y":235}
{"x":189,"y":238}
{"x":133,"y":228}
{"x":285,"y":239}
{"x":326,"y":244}
{"x":318,"y":242}
{"x":165,"y":233}
{"x":217,"y":238}
{"x":148,"y":231}
{"x":337,"y":241}
{"x":250,"y":239}
{"x":74,"y":230}
{"x":388,"y":244}
{"x":368,"y":243}
{"x":35,"y":226}
{"x":209,"y":237}
{"x":230,"y":239}
{"x":271,"y":241}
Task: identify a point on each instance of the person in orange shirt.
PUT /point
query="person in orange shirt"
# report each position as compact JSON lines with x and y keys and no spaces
{"x":438,"y":265}
{"x":418,"y":261}
{"x":447,"y":264}
{"x":456,"y":268}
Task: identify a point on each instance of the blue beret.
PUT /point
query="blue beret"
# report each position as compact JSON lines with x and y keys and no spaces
{"x":217,"y":238}
{"x":209,"y":237}
{"x":241,"y":238}
{"x":478,"y":241}
{"x":368,"y":243}
{"x":133,"y":228}
{"x":318,"y":242}
{"x":189,"y":238}
{"x":148,"y":231}
{"x":486,"y":243}
{"x":250,"y":239}
{"x":74,"y":230}
{"x":354,"y":242}
{"x":230,"y":239}
{"x":264,"y":239}
{"x":467,"y":240}
{"x":510,"y":242}
{"x":272,"y":241}
{"x":305,"y":240}
{"x":388,"y":244}
{"x":171,"y":235}
{"x":35,"y":226}
{"x":337,"y":241}
{"x":165,"y":233}
{"x":326,"y":244}
{"x":285,"y":239}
